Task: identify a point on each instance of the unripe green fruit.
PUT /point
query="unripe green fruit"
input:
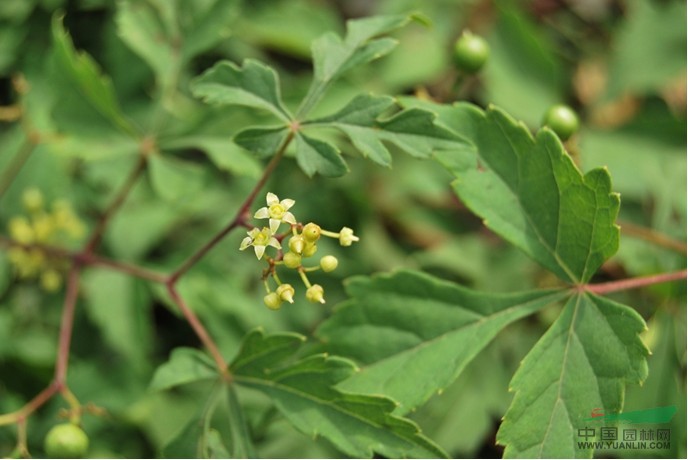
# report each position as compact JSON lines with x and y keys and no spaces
{"x":292,"y":260}
{"x":329,"y":263}
{"x":315,"y":294}
{"x":311,"y":232}
{"x":66,"y":441}
{"x":471,"y":52}
{"x":562,"y":120}
{"x":273,"y":301}
{"x":310,"y":249}
{"x":285,"y":292}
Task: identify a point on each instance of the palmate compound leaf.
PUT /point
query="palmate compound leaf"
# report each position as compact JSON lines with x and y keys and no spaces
{"x":332,"y":56}
{"x":252,"y":85}
{"x":304,"y":391}
{"x":582,"y":363}
{"x":413,"y":131}
{"x":86,"y":77}
{"x":528,"y":190}
{"x":414,"y":333}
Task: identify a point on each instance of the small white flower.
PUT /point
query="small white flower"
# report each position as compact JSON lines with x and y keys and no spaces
{"x":346,"y":237}
{"x":277,"y":211}
{"x":260,"y":239}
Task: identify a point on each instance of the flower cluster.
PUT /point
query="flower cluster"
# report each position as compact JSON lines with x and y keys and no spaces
{"x":302,"y":243}
{"x":42,"y":227}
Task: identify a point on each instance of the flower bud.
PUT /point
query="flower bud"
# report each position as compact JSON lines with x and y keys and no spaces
{"x":346,"y":236}
{"x":286,"y":292}
{"x":272,"y":301}
{"x":310,"y":249}
{"x":32,"y":199}
{"x":292,"y":260}
{"x":315,"y":294}
{"x":51,"y":280}
{"x":297,"y":243}
{"x":311,"y":232}
{"x":21,"y":230}
{"x":329,"y":263}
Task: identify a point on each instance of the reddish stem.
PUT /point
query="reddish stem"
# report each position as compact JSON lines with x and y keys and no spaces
{"x":652,"y":236}
{"x":239,"y":219}
{"x":200,"y":331}
{"x":633,"y":283}
{"x":122,"y":194}
{"x":66,"y":325}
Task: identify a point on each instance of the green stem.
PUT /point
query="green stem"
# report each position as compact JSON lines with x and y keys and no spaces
{"x":16,"y":164}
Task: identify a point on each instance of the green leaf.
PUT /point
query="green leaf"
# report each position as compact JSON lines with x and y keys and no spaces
{"x":529,"y":191}
{"x":117,"y":307}
{"x":263,"y":142}
{"x":413,"y":130}
{"x":84,"y":73}
{"x":224,"y":153}
{"x":139,"y":26}
{"x":241,"y":444}
{"x":649,"y":49}
{"x":333,"y":56}
{"x":315,"y":156}
{"x":304,"y":392}
{"x":185,"y":365}
{"x":583,"y":362}
{"x":414,"y":333}
{"x":173,"y":179}
{"x":252,"y":85}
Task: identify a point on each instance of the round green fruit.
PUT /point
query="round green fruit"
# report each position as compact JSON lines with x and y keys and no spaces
{"x":66,"y":441}
{"x":471,"y":52}
{"x":562,"y":120}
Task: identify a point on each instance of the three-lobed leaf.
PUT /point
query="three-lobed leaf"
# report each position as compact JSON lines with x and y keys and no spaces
{"x":583,"y":362}
{"x":414,"y":333}
{"x":252,"y":85}
{"x":528,"y":190}
{"x":304,"y":391}
{"x":83,"y":71}
{"x":186,"y":365}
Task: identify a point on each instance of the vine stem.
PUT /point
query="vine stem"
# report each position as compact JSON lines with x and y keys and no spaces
{"x":89,"y":259}
{"x":67,"y":324}
{"x":240,"y":218}
{"x":633,"y":283}
{"x":200,"y":331}
{"x":119,"y":199}
{"x":653,"y":236}
{"x":17,"y":163}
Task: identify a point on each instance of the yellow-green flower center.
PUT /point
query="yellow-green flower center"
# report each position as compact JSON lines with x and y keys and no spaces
{"x":276,"y":211}
{"x":261,"y":238}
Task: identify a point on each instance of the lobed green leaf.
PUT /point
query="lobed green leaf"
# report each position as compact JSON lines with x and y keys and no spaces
{"x":252,"y":85}
{"x":583,"y":362}
{"x":304,"y":391}
{"x":414,"y":334}
{"x":528,"y":190}
{"x":186,"y":365}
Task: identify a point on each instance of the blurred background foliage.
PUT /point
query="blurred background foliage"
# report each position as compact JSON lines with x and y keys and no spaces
{"x":620,"y":63}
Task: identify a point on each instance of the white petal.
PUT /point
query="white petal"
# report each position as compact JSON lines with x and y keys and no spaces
{"x":274,"y":225}
{"x":260,"y":250}
{"x":253,"y":232}
{"x":274,"y":243}
{"x":262,"y":213}
{"x":287,"y":203}
{"x":246,"y":242}
{"x":289,"y":218}
{"x":271,"y":199}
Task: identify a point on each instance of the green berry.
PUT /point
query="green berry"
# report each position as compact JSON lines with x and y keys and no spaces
{"x":562,"y":120}
{"x":311,"y":232}
{"x":292,"y":260}
{"x":471,"y":52}
{"x":66,"y":440}
{"x":329,"y":263}
{"x":273,"y":301}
